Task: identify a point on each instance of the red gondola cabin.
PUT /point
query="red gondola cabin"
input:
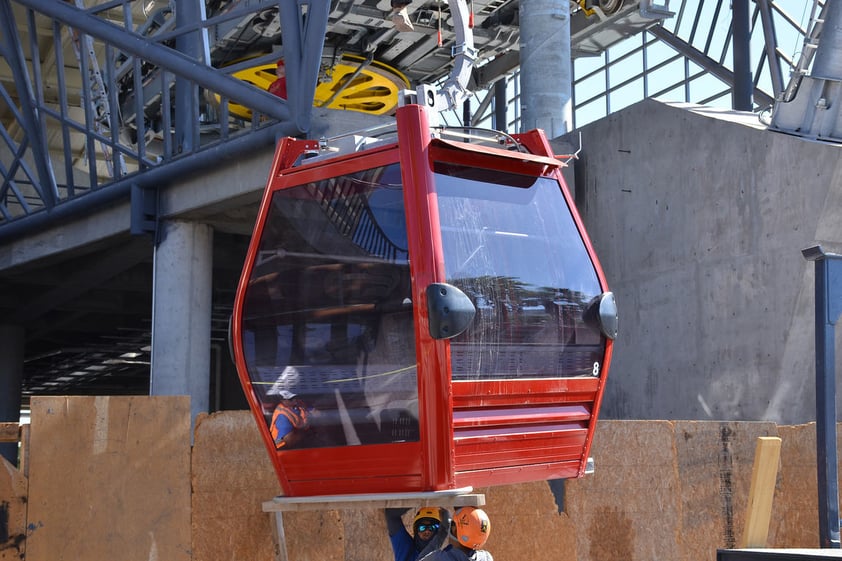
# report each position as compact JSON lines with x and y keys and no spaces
{"x":422,"y":314}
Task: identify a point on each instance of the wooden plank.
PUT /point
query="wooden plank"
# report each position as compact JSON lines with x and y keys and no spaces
{"x":24,"y":450}
{"x":9,"y":432}
{"x":455,"y":497}
{"x":763,"y":477}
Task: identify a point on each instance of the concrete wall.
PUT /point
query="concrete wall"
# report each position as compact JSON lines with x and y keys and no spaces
{"x":117,"y":478}
{"x":699,"y":217}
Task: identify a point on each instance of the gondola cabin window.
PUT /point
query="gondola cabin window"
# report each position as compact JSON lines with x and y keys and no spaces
{"x":511,"y":245}
{"x":327,"y":323}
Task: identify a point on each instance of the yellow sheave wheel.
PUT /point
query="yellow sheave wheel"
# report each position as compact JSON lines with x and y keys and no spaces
{"x":374,"y":90}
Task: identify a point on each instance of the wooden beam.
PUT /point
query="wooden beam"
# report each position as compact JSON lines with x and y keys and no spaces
{"x":281,"y":553}
{"x":455,"y":497}
{"x":763,"y":477}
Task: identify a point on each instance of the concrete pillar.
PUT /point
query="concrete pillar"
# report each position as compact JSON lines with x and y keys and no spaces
{"x":181,"y":313}
{"x":12,"y":340}
{"x":545,"y":66}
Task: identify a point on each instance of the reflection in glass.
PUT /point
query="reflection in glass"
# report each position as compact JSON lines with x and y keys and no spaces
{"x":511,"y":244}
{"x":327,"y":322}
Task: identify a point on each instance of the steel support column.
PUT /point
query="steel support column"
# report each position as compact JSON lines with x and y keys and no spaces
{"x":545,"y":66}
{"x":500,"y":105}
{"x":827,"y":63}
{"x":195,"y":45}
{"x":303,"y":26}
{"x":828,"y":288}
{"x":741,"y":28}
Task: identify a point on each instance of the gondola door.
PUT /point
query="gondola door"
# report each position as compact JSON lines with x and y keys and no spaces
{"x":323,"y":329}
{"x":528,"y":374}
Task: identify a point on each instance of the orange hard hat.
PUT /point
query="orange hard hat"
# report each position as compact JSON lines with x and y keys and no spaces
{"x":470,"y":527}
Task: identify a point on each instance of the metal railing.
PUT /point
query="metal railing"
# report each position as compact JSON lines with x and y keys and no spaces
{"x":94,"y":99}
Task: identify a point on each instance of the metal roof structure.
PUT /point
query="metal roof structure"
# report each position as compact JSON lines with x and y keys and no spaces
{"x":88,"y":91}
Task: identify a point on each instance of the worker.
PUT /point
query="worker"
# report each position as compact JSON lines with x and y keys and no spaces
{"x":290,"y":419}
{"x":469,"y":530}
{"x":429,"y":531}
{"x":279,"y":86}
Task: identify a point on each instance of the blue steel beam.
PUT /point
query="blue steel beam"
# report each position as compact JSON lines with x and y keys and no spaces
{"x":195,"y":45}
{"x":741,"y":42}
{"x":771,"y":40}
{"x":828,"y":290}
{"x":159,"y":177}
{"x":164,"y":57}
{"x":10,"y":48}
{"x":303,"y":27}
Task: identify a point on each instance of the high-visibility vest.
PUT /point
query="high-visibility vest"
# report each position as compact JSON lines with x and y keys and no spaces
{"x":288,"y":416}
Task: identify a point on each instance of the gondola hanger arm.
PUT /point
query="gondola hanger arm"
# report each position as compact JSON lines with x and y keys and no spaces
{"x":455,"y":89}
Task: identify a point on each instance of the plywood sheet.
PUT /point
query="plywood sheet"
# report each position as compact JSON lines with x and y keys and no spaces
{"x":315,"y":536}
{"x":715,"y":461}
{"x":526,"y":523}
{"x":109,"y":479}
{"x":108,"y":488}
{"x":232,"y":477}
{"x":365,"y":535}
{"x":13,"y":495}
{"x":628,"y":508}
{"x":795,"y":509}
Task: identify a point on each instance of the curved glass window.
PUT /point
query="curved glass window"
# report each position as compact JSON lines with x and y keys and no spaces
{"x":511,"y":244}
{"x":327,"y":326}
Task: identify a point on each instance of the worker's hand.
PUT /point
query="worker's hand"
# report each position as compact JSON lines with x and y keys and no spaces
{"x":445,"y":520}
